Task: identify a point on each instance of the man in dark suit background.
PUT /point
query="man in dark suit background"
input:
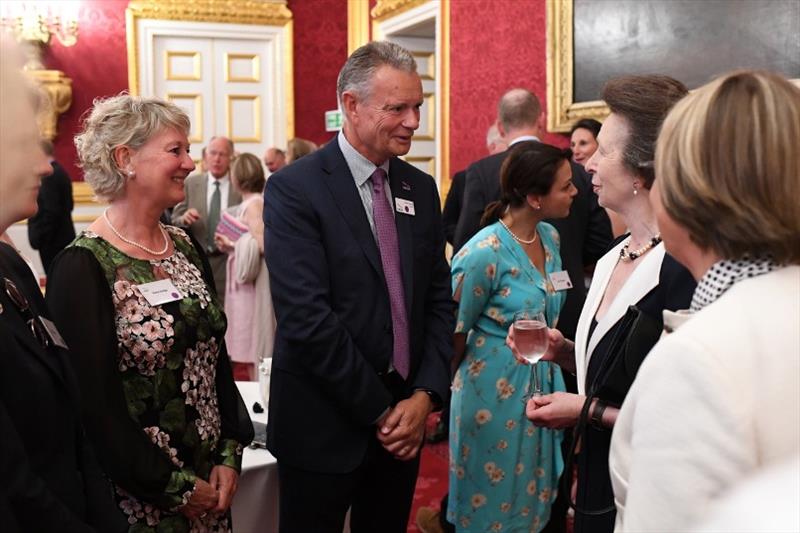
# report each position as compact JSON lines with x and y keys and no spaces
{"x":455,"y":196}
{"x":585,"y":233}
{"x":361,"y":291}
{"x":50,"y":230}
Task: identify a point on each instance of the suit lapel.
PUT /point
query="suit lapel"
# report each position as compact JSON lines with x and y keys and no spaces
{"x":403,"y":189}
{"x":343,"y":189}
{"x":202,"y":192}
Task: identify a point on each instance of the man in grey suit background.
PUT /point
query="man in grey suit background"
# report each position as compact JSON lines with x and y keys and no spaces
{"x":207,"y":195}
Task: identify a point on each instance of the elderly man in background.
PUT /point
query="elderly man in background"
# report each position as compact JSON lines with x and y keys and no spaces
{"x":361,"y":289}
{"x":207,"y":194}
{"x":274,"y":159}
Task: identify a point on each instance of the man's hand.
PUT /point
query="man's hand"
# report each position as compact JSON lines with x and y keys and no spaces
{"x":402,"y":430}
{"x":204,"y":499}
{"x":555,"y":411}
{"x":190,"y":217}
{"x":225,"y":479}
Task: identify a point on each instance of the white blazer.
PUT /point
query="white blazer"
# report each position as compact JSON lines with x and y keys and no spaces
{"x":713,"y":402}
{"x":641,"y":282}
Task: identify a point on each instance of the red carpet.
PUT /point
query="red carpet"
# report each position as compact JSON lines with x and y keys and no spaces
{"x":432,"y":479}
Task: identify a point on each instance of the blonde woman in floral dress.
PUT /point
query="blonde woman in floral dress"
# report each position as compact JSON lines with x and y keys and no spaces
{"x":157,"y":394}
{"x":503,"y":470}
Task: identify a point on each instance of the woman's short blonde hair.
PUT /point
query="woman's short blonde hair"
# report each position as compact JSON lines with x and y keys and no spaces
{"x":121,"y":120}
{"x":248,"y":174}
{"x":728,"y":165}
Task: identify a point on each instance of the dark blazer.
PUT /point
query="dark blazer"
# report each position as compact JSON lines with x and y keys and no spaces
{"x":334,"y":333}
{"x":51,"y":481}
{"x":50,"y":230}
{"x":452,"y":205}
{"x":585,"y":233}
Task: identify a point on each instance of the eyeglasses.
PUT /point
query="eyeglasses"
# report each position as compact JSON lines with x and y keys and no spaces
{"x":18,"y":299}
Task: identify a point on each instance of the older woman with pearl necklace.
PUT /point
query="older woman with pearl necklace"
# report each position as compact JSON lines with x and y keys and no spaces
{"x":635,"y":272}
{"x":718,"y":399}
{"x":159,"y":401}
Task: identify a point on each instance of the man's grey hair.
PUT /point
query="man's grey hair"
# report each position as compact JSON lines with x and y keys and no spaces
{"x":215,"y":137}
{"x":357,"y":72}
{"x":518,"y":108}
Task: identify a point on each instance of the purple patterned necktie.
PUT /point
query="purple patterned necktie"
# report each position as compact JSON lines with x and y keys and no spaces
{"x":390,"y":259}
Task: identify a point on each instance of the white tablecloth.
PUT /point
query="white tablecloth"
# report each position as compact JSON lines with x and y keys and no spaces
{"x":255,"y":506}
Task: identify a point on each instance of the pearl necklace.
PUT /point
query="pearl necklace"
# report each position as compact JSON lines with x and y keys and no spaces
{"x":628,"y":256}
{"x":134,"y":243}
{"x":521,"y":241}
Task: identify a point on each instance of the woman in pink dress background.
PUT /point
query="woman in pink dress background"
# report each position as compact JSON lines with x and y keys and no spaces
{"x":248,"y":301}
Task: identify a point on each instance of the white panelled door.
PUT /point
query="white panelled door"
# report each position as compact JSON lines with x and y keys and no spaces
{"x":228,"y":78}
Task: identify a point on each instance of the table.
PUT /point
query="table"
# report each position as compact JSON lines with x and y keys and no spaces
{"x":255,"y":506}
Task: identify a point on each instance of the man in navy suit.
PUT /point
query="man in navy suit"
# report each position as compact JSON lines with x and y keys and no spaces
{"x":361,"y":289}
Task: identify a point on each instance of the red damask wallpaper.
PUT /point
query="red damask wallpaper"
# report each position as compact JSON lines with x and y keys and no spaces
{"x":495,"y":45}
{"x":97,"y":65}
{"x":320,"y":49}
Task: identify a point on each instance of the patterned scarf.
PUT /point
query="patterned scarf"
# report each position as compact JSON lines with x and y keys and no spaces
{"x":724,"y":274}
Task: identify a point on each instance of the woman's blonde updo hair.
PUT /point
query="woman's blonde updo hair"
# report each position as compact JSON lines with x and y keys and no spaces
{"x":729,"y":169}
{"x":121,"y":120}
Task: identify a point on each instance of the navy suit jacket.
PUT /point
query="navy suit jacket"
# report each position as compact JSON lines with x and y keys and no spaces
{"x":334,"y":333}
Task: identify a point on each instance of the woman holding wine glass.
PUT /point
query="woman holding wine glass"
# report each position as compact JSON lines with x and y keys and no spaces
{"x":635,"y":272}
{"x":503,"y":470}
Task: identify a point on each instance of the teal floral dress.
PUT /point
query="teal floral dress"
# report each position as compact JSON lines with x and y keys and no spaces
{"x":158,"y":397}
{"x":503,"y":470}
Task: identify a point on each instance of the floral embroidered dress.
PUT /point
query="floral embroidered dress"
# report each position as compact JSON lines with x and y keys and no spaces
{"x":503,"y":470}
{"x":158,"y":397}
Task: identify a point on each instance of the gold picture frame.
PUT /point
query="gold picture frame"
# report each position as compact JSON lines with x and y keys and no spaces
{"x":562,"y":110}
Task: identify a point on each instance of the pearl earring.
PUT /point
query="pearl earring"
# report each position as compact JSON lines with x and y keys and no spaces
{"x":131,"y":173}
{"x":635,"y":191}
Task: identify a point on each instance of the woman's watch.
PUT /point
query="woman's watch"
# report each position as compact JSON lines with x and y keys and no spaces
{"x":596,"y":418}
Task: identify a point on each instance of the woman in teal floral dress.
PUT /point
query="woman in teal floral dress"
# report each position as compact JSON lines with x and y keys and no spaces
{"x":503,"y":470}
{"x":158,"y":397}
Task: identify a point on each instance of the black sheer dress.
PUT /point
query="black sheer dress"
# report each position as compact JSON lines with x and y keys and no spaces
{"x":157,"y":392}
{"x":674,"y":291}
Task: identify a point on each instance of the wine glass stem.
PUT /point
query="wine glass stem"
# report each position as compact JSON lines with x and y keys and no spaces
{"x":537,"y":388}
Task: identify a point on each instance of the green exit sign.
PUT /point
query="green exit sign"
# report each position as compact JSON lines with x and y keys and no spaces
{"x":333,"y":120}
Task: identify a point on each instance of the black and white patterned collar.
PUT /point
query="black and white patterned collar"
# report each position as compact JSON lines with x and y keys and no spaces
{"x":724,"y":274}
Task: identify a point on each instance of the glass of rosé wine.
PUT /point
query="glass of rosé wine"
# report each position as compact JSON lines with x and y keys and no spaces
{"x":531,"y":339}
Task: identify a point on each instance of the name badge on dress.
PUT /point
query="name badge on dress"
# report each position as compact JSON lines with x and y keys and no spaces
{"x":560,"y":280}
{"x":404,"y":206}
{"x":160,"y":292}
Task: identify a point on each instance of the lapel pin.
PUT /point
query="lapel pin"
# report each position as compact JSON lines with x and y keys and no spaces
{"x":405,"y":186}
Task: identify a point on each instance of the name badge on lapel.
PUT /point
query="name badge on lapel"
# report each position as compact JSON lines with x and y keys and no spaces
{"x":560,"y":280}
{"x":160,"y":292}
{"x":404,"y":206}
